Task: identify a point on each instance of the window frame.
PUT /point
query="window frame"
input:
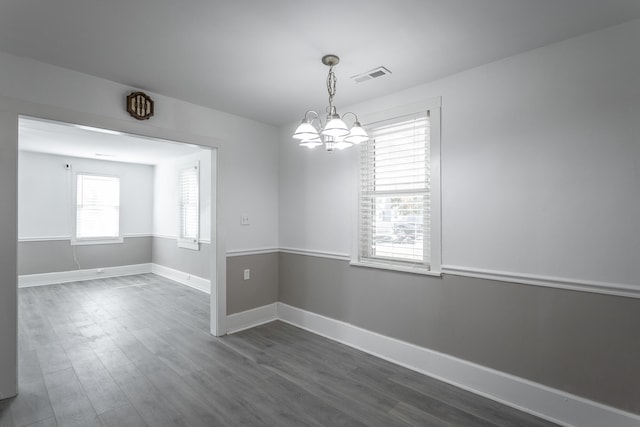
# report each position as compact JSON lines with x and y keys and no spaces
{"x":434,"y":268}
{"x":189,"y":242}
{"x":96,"y":240}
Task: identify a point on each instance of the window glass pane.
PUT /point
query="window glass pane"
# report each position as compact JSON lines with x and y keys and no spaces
{"x":394,"y":192}
{"x":397,"y":228}
{"x":98,"y":206}
{"x":189,"y":203}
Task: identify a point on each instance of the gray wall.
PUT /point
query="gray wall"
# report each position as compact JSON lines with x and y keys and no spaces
{"x":261,"y":289}
{"x":36,"y":257}
{"x":8,"y":253}
{"x":165,"y":252}
{"x":583,"y":343}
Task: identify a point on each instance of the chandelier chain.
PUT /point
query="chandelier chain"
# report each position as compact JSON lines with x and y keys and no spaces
{"x":331,"y":85}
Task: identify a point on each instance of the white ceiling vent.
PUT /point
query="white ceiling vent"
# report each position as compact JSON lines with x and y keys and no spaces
{"x":371,"y":74}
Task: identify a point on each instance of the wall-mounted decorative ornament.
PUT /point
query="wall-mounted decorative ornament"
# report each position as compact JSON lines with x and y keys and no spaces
{"x":140,"y":105}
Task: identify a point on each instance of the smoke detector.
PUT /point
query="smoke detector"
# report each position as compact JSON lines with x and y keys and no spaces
{"x":371,"y":74}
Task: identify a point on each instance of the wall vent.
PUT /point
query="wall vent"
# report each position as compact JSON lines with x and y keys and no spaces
{"x":371,"y":74}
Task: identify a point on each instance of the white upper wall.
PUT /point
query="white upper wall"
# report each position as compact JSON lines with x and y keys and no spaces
{"x":540,"y":165}
{"x":46,"y":199}
{"x":248,"y":151}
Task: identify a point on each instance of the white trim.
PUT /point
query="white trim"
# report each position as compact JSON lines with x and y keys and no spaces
{"x":44,"y":239}
{"x":542,"y":401}
{"x":97,"y":241}
{"x":29,"y":280}
{"x":618,"y":289}
{"x":245,"y":252}
{"x":192,"y":244}
{"x":68,"y":238}
{"x":396,"y":267}
{"x":248,"y":319}
{"x":319,"y":254}
{"x":166,"y":236}
{"x":402,"y":110}
{"x":195,"y":282}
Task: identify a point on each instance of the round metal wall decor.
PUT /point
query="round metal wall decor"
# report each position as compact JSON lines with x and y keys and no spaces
{"x":140,"y":105}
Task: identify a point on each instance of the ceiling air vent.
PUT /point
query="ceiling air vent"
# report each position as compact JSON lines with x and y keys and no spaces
{"x":371,"y":74}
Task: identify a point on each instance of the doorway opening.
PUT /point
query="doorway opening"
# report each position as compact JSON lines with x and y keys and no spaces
{"x":71,"y":228}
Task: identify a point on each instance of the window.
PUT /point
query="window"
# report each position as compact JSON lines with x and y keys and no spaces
{"x":189,"y":198}
{"x":399,"y":195}
{"x":97,"y":209}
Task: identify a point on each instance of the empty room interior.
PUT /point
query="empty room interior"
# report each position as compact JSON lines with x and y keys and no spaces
{"x":356,"y":213}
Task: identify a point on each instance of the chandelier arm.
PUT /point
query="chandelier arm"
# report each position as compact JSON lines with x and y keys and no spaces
{"x":353,"y":114}
{"x":306,"y":115}
{"x":315,"y":118}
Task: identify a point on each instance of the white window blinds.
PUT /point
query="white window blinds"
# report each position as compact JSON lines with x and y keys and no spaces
{"x":97,"y":207}
{"x":189,"y":196}
{"x":394,"y":201}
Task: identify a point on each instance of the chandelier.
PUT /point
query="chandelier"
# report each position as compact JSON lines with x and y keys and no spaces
{"x":334,"y":134}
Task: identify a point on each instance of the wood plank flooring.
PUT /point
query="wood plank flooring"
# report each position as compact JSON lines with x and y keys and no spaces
{"x":135,"y":351}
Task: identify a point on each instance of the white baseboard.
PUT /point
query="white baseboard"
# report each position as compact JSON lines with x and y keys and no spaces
{"x":248,"y":319}
{"x":28,"y":280}
{"x":545,"y":402}
{"x":181,"y":277}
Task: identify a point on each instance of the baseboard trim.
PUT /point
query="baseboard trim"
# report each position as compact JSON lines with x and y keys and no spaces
{"x":195,"y":282}
{"x":248,"y":319}
{"x":542,"y":401}
{"x":42,"y":279}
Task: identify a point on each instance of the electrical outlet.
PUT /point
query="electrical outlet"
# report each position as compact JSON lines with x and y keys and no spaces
{"x":244,"y":219}
{"x":247,"y":274}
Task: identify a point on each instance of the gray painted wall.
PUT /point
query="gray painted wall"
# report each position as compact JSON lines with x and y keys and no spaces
{"x":8,"y":253}
{"x":261,"y":289}
{"x":165,"y":252}
{"x":36,"y":257}
{"x":583,"y":343}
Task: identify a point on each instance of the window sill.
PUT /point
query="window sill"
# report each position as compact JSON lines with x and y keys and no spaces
{"x":392,"y":267}
{"x":97,"y":241}
{"x":189,"y":244}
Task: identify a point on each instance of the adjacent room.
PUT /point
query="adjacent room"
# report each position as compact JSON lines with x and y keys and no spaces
{"x":99,"y":203}
{"x":408,"y":213}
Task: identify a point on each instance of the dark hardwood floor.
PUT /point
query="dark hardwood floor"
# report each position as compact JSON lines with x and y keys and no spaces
{"x":135,"y":351}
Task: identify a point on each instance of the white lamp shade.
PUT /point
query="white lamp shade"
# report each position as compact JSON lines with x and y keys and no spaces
{"x":335,"y":128}
{"x":341,"y":145}
{"x":357,"y":134}
{"x":311,"y":143}
{"x":306,"y":131}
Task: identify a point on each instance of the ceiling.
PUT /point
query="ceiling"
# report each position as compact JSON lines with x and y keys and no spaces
{"x":64,"y":139}
{"x":261,"y":59}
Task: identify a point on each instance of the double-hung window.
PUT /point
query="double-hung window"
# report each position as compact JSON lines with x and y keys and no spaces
{"x":189,"y":207}
{"x":399,"y":194}
{"x":97,"y":209}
